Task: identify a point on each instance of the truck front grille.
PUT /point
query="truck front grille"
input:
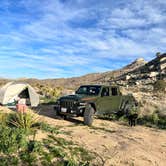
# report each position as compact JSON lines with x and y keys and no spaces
{"x":67,"y":104}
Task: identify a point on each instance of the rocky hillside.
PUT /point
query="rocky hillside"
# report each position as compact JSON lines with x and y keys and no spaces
{"x":137,"y":72}
{"x":146,"y":74}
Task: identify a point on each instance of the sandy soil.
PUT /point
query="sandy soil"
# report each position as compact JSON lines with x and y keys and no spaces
{"x":115,"y":142}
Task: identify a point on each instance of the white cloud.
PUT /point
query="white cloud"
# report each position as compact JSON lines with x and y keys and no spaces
{"x":77,"y":34}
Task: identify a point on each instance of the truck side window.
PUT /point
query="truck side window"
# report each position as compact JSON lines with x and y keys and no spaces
{"x":105,"y":92}
{"x":114,"y":91}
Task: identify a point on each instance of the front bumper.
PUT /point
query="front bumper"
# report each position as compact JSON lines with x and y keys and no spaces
{"x":77,"y":110}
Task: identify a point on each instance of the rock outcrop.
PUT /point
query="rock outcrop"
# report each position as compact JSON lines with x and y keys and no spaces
{"x":144,"y":74}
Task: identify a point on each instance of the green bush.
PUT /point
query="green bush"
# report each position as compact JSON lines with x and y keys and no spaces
{"x":11,"y":139}
{"x":34,"y":146}
{"x":3,"y":118}
{"x":155,"y":118}
{"x":28,"y":158}
{"x":9,"y":160}
{"x":162,"y":123}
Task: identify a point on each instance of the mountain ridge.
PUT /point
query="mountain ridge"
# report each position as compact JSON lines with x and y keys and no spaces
{"x":135,"y":67}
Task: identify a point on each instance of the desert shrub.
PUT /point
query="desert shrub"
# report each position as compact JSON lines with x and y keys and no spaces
{"x":3,"y":118}
{"x":34,"y":146}
{"x":9,"y":160}
{"x":31,"y":155}
{"x":47,"y":101}
{"x":153,"y":120}
{"x":159,"y":85}
{"x":17,"y":148}
{"x":23,"y":120}
{"x":28,"y":158}
{"x":11,"y":139}
{"x":123,"y":118}
{"x":46,"y":159}
{"x":161,"y":111}
{"x":49,"y":92}
{"x":162,"y":123}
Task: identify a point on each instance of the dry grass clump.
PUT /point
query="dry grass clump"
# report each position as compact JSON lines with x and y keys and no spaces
{"x":160,"y":85}
{"x":147,"y":108}
{"x":153,"y":113}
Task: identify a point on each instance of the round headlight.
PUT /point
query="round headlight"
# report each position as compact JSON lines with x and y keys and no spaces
{"x":75,"y":102}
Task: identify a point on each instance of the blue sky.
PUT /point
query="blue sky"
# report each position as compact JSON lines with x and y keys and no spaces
{"x":66,"y":38}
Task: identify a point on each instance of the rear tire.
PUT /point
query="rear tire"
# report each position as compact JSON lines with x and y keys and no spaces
{"x":88,"y":115}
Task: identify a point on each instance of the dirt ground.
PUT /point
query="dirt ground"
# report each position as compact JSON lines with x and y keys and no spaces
{"x":115,"y":142}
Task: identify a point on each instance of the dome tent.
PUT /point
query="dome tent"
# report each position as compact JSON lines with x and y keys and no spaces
{"x":12,"y":90}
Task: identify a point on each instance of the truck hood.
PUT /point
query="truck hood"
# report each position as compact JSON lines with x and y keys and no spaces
{"x":78,"y":97}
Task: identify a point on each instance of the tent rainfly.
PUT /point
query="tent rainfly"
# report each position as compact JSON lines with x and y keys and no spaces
{"x":14,"y":90}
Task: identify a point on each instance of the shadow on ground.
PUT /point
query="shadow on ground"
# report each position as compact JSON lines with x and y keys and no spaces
{"x":48,"y":111}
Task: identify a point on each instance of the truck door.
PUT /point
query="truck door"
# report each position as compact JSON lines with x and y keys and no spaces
{"x":109,"y":101}
{"x":103,"y":102}
{"x":115,"y":99}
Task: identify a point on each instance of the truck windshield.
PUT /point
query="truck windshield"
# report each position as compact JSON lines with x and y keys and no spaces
{"x":89,"y":90}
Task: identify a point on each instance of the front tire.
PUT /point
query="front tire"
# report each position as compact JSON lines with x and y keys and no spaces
{"x":88,"y":115}
{"x":57,"y":112}
{"x":59,"y":115}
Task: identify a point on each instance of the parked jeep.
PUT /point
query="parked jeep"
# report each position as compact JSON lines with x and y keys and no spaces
{"x":92,"y":100}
